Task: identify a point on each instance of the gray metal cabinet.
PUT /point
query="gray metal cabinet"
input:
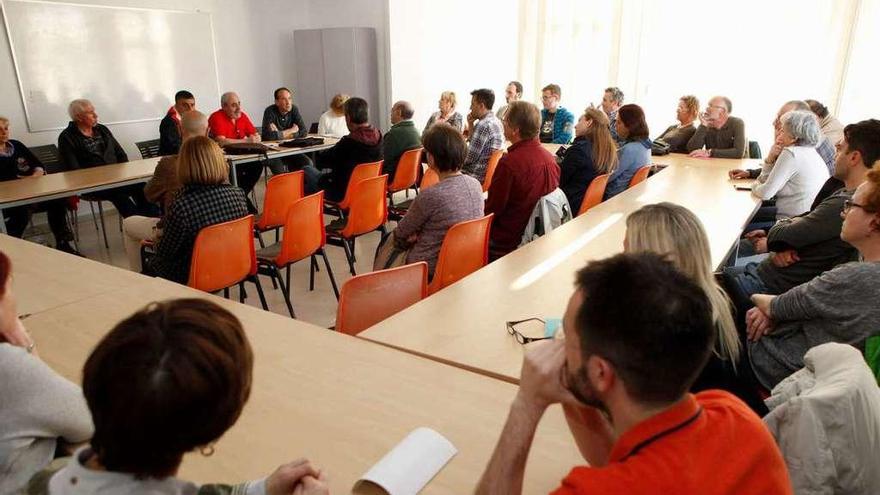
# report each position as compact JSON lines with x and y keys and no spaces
{"x":331,"y":61}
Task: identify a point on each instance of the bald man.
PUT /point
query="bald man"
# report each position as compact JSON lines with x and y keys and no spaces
{"x":401,"y":137}
{"x":720,"y":135}
{"x":231,"y":125}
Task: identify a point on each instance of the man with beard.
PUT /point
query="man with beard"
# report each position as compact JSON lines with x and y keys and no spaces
{"x":622,"y":377}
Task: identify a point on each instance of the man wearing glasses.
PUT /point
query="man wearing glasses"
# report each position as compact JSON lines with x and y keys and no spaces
{"x":557,"y":123}
{"x":637,"y":333}
{"x":720,"y":135}
{"x":803,"y":247}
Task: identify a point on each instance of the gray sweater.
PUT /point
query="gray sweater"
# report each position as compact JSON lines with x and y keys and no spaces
{"x":838,"y":306}
{"x":816,"y":238}
{"x":37,"y":406}
{"x":727,"y":142}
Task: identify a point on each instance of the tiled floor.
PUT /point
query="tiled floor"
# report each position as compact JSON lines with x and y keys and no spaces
{"x":318,"y":306}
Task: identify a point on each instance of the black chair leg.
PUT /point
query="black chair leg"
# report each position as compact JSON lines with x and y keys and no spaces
{"x":288,"y":280}
{"x":256,"y":280}
{"x":330,"y":273}
{"x":241,"y":294}
{"x":349,"y":256}
{"x":312,"y":265}
{"x":284,"y":293}
{"x":260,"y":240}
{"x":226,"y":293}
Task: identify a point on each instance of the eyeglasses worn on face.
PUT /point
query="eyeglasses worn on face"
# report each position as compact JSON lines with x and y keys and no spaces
{"x":522,"y":339}
{"x":850,"y":204}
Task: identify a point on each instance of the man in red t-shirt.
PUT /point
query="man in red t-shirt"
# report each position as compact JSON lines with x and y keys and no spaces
{"x":231,"y":125}
{"x":637,"y":333}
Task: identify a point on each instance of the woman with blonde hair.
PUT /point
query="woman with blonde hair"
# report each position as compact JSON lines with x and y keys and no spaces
{"x":205,"y":198}
{"x":674,"y":231}
{"x":332,"y":122}
{"x":446,"y":113}
{"x":678,"y":135}
{"x":593,"y":152}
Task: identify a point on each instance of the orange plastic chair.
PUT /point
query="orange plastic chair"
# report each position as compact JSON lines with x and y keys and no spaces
{"x":304,"y":237}
{"x":494,"y":158}
{"x":465,"y":250}
{"x":282,"y":190}
{"x":368,"y":211}
{"x":407,"y":173}
{"x":640,"y":176}
{"x":595,"y":193}
{"x":370,"y":298}
{"x":429,"y":179}
{"x":223,"y":256}
{"x":360,"y":172}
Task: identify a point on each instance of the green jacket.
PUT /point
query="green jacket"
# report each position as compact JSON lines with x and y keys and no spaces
{"x":401,"y":137}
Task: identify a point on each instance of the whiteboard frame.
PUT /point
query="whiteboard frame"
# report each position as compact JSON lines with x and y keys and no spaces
{"x":111,"y":7}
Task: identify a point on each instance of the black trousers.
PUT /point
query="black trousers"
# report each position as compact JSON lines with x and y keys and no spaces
{"x":128,"y":200}
{"x":17,"y":218}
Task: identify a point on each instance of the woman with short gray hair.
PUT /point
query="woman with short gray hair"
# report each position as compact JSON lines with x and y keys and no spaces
{"x":799,"y":172}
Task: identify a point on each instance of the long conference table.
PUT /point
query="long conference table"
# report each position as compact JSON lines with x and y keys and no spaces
{"x":464,"y":324}
{"x":344,"y":402}
{"x":340,"y":401}
{"x":32,"y":190}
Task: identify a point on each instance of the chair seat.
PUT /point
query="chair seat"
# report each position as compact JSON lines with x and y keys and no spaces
{"x":269,"y":253}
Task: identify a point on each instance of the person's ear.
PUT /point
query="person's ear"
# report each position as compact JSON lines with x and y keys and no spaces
{"x":601,"y":374}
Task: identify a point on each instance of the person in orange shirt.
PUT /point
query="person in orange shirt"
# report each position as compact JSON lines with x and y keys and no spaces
{"x":637,"y":333}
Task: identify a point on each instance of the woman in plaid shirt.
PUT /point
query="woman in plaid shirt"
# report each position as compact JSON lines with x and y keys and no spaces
{"x":206,"y":198}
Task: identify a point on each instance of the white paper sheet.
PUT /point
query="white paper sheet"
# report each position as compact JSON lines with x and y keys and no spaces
{"x":412,"y":463}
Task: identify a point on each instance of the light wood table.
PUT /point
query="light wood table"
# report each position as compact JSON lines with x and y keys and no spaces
{"x":82,"y":181}
{"x":45,"y":278}
{"x":340,"y":401}
{"x":464,"y":324}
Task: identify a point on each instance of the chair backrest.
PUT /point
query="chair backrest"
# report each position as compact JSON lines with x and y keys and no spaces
{"x":407,"y":172}
{"x":429,"y":178}
{"x":640,"y":176}
{"x":465,"y":250}
{"x":360,"y":172}
{"x":49,"y":156}
{"x":755,"y":150}
{"x":494,"y":158}
{"x":313,"y":129}
{"x":148,"y":149}
{"x":303,"y":230}
{"x":368,"y":209}
{"x":282,"y":191}
{"x":223,"y":255}
{"x":370,"y":298}
{"x":594,"y":194}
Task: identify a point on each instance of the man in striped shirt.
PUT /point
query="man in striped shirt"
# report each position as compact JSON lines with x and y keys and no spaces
{"x":484,"y":132}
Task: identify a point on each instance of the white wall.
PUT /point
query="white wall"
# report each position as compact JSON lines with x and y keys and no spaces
{"x":437,"y":48}
{"x":254,"y":44}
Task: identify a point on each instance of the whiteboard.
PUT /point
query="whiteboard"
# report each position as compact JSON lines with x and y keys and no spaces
{"x":129,"y":62}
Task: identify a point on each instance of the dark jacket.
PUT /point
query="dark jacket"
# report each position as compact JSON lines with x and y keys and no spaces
{"x":169,"y":134}
{"x":75,"y":153}
{"x":678,"y":137}
{"x":816,"y":238}
{"x":21,"y":163}
{"x":401,"y":137}
{"x":196,"y":207}
{"x":363,"y":145}
{"x":577,"y":171}
{"x":273,"y":116}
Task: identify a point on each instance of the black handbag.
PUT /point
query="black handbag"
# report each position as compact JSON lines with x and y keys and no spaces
{"x":660,"y":147}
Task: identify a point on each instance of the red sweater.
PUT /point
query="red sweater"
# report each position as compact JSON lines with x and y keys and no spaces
{"x":525,"y":173}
